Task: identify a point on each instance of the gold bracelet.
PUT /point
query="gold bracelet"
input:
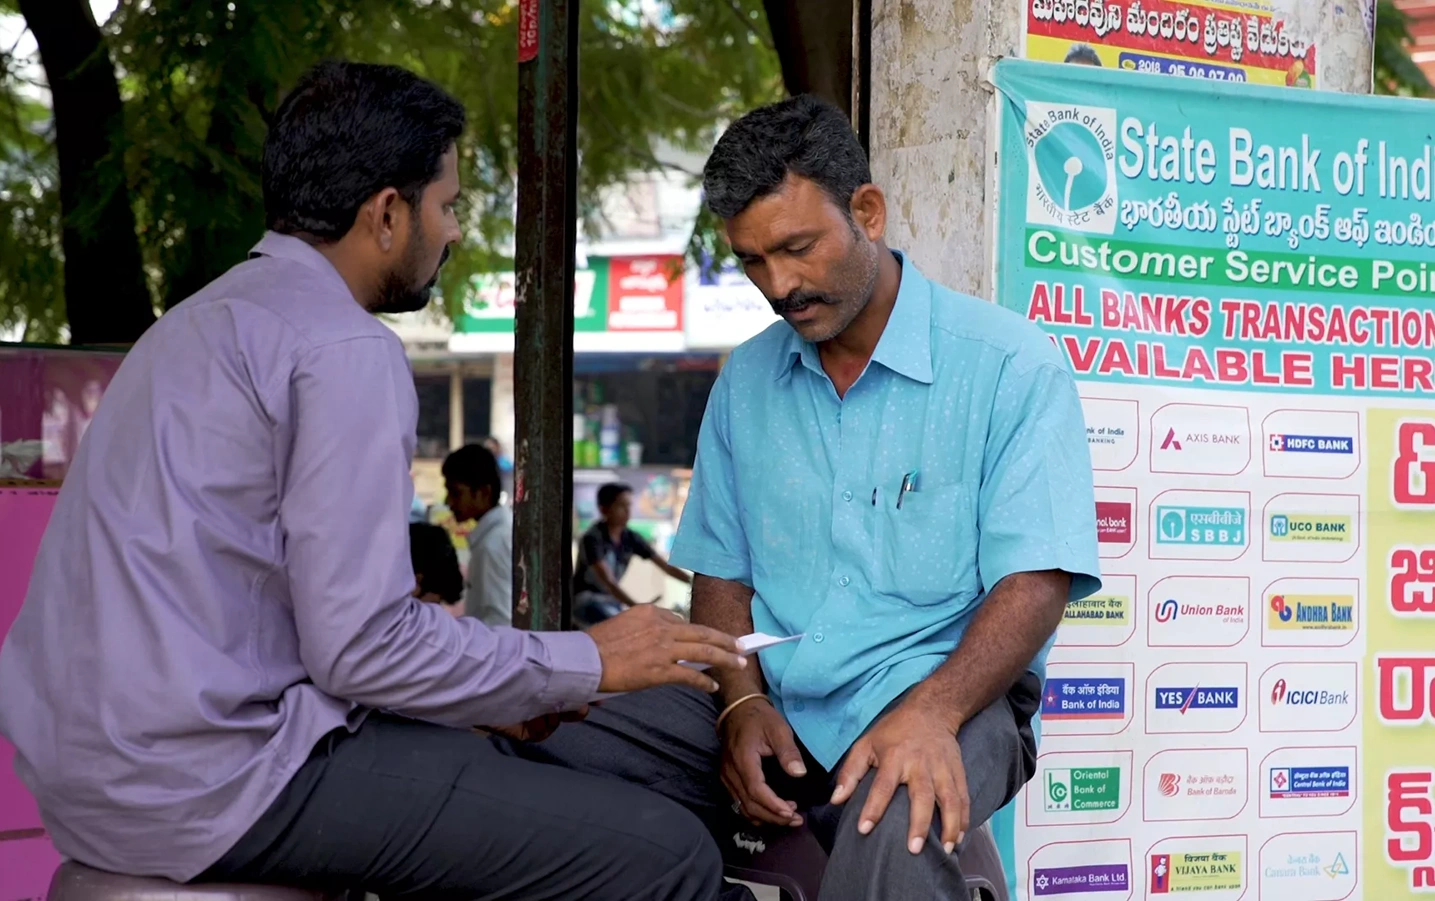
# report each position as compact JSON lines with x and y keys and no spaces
{"x":735,"y":705}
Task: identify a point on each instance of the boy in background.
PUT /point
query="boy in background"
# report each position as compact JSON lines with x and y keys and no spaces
{"x":604,"y":552}
{"x":471,"y":479}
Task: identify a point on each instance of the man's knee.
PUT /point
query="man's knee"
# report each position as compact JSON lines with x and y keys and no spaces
{"x":690,"y":865}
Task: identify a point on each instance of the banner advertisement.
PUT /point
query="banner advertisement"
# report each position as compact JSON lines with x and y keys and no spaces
{"x":629,"y":304}
{"x":1214,"y":40}
{"x":1243,"y":280}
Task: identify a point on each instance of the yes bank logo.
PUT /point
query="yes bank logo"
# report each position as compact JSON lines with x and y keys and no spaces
{"x":1071,"y":166}
{"x":1197,"y":698}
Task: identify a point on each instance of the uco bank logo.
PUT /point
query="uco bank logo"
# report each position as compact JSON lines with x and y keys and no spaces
{"x":1071,"y":161}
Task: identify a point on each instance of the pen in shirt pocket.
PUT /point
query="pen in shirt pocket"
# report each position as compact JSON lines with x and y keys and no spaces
{"x":909,"y":485}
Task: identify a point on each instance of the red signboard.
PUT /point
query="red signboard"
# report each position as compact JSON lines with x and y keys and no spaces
{"x":645,"y":294}
{"x":527,"y":30}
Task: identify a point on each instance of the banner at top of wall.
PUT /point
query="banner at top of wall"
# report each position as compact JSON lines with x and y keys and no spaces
{"x":1243,"y":281}
{"x":1214,"y":40}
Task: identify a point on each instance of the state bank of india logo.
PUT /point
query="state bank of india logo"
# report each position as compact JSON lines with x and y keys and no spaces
{"x":1071,"y":163}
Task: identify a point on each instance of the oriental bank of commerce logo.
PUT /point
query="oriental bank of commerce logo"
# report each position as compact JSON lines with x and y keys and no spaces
{"x":1071,"y":160}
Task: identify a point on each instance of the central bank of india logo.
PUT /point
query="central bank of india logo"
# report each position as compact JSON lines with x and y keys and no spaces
{"x":1072,"y":166}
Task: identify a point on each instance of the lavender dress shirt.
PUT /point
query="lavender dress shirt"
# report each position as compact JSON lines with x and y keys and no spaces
{"x":226,"y":579}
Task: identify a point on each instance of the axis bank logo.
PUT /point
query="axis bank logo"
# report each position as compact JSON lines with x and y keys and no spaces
{"x":1176,"y":442}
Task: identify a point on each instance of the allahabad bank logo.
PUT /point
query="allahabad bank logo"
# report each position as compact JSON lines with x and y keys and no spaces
{"x":1323,"y":527}
{"x":1071,"y":160}
{"x":1311,"y":612}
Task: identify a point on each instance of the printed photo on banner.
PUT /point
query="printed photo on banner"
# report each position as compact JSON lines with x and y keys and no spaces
{"x":1238,"y":41}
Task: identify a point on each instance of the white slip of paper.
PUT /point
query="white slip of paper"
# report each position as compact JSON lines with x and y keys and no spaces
{"x":747,"y":645}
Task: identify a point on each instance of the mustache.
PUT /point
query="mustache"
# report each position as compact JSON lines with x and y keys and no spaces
{"x":796,"y":300}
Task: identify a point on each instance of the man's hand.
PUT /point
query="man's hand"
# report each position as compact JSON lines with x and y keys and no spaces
{"x":910,"y":746}
{"x":642,"y":646}
{"x":754,"y":731}
{"x":541,"y":727}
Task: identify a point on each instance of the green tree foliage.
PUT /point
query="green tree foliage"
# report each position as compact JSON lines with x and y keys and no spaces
{"x":1395,"y":72}
{"x":201,"y":78}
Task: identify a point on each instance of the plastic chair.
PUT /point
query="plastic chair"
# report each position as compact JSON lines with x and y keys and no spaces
{"x":77,"y":882}
{"x":793,"y":861}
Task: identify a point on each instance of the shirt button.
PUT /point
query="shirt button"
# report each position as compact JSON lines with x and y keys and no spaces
{"x":847,"y":495}
{"x":844,"y":581}
{"x":817,"y":638}
{"x":799,"y":706}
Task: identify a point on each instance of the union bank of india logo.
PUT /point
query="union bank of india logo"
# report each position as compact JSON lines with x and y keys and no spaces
{"x":1071,"y":163}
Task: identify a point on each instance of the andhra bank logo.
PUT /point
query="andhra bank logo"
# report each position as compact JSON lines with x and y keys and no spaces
{"x":1322,"y":527}
{"x":1311,"y":612}
{"x":1071,"y":160}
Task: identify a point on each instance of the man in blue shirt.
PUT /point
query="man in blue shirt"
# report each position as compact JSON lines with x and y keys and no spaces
{"x":901,"y":474}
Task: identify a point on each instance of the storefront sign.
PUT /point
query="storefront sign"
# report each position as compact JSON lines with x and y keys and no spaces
{"x":628,"y":304}
{"x":1214,"y":40}
{"x":724,"y":309}
{"x":1241,"y":279}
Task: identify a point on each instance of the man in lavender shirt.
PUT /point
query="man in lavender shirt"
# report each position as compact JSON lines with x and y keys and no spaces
{"x":221,"y":606}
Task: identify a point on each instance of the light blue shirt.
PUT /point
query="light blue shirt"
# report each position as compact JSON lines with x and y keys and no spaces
{"x":795,"y":494}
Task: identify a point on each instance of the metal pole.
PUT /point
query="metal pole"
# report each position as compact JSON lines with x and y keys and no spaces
{"x":543,"y":322}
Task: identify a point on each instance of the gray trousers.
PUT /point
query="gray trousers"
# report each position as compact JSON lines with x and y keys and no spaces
{"x":664,"y":740}
{"x":409,"y":810}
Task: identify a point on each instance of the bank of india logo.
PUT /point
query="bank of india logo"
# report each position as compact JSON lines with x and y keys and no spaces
{"x":1071,"y":160}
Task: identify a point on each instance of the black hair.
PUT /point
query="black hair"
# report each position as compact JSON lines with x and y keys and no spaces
{"x":1083,"y":53}
{"x":435,"y":561}
{"x":609,"y":494}
{"x":475,"y":466}
{"x":803,"y":136}
{"x":343,"y":134}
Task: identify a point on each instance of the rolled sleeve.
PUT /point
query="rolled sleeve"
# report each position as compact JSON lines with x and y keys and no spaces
{"x":710,"y":539}
{"x":1037,"y":507}
{"x":344,"y":511}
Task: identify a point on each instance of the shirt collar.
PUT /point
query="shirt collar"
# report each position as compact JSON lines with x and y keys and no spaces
{"x":906,"y":343}
{"x":288,"y":247}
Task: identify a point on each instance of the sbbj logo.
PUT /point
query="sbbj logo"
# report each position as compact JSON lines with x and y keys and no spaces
{"x":1295,"y":697}
{"x":1198,"y":698}
{"x":1312,"y":444}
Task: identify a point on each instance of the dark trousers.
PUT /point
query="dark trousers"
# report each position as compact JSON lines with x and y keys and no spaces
{"x":406,"y":809}
{"x":664,"y":740}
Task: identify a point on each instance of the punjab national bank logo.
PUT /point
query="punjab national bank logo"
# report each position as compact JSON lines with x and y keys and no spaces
{"x":1071,"y":162}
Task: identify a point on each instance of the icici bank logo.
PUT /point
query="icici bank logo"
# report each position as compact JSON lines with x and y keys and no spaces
{"x":1278,"y":691}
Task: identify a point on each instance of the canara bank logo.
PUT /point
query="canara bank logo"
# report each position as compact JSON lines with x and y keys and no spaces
{"x":1071,"y":155}
{"x":1312,"y":444}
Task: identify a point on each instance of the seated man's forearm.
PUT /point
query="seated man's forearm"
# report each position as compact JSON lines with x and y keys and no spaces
{"x":1008,"y":630}
{"x":727,"y":607}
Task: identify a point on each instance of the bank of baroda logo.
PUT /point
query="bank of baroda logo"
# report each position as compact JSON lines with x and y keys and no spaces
{"x":1071,"y":161}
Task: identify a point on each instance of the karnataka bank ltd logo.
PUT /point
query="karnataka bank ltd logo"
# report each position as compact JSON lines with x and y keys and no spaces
{"x":1071,"y":160}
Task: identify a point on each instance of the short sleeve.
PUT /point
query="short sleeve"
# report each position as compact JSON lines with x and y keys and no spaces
{"x":1036,"y":509}
{"x":710,"y":539}
{"x":640,"y":546}
{"x":589,"y":550}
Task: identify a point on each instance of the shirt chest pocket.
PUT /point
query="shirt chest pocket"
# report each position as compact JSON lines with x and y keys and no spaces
{"x":927,"y":549}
